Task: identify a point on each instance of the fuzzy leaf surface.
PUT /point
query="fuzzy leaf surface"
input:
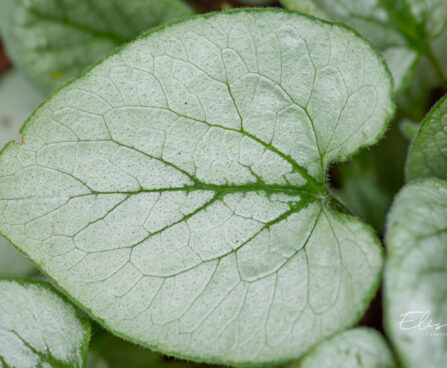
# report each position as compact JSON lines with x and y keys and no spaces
{"x":178,"y":190}
{"x":416,"y":274}
{"x":428,"y":153}
{"x":39,"y":328}
{"x":356,"y":348}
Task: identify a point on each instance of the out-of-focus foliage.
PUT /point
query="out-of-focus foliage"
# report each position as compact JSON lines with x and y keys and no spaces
{"x":356,"y":348}
{"x":416,"y":274}
{"x":369,"y":182}
{"x":401,"y":29}
{"x":53,"y":41}
{"x":39,"y":327}
{"x":408,"y":128}
{"x":428,"y":155}
{"x":109,"y":351}
{"x":428,"y":84}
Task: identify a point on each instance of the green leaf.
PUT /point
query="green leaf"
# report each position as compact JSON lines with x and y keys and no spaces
{"x":428,"y":153}
{"x":431,"y":14}
{"x":357,"y":348}
{"x":430,"y":77}
{"x":53,"y":41}
{"x":39,"y":328}
{"x":362,"y":193}
{"x":178,"y":189}
{"x":116,"y":353}
{"x":17,"y":101}
{"x":306,"y":7}
{"x":108,"y":351}
{"x":408,"y":128}
{"x":416,"y":274}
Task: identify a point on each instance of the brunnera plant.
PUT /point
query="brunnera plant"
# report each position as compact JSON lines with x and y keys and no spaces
{"x":403,"y":30}
{"x":177,"y":190}
{"x":415,"y":273}
{"x":356,"y":348}
{"x":416,"y":239}
{"x":53,"y":41}
{"x":39,"y":328}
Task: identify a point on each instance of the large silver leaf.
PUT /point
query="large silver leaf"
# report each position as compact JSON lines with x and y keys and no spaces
{"x":178,"y":189}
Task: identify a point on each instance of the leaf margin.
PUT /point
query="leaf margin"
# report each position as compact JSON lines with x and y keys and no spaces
{"x":22,"y":281}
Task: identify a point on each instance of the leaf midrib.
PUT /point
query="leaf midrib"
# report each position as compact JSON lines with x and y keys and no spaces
{"x":244,"y":188}
{"x":44,"y":358}
{"x":222,"y":189}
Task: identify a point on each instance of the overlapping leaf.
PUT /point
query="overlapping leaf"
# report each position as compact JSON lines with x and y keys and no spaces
{"x":39,"y":328}
{"x":401,"y":29}
{"x":357,"y":348}
{"x":416,"y":274}
{"x":428,"y":154}
{"x":177,"y":190}
{"x":53,"y":41}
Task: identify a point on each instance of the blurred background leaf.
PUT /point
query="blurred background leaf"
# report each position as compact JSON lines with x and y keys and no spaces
{"x":53,"y":41}
{"x":18,"y":99}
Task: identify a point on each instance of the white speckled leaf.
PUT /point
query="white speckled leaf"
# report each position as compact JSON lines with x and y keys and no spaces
{"x":39,"y":328}
{"x":357,"y":348}
{"x":177,"y":190}
{"x":428,"y":153}
{"x":96,"y":361}
{"x":416,"y":274}
{"x":53,"y":41}
{"x":17,"y":101}
{"x":380,"y":22}
{"x":415,"y":99}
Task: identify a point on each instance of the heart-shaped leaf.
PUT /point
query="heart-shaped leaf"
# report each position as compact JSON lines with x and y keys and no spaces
{"x":428,"y":153}
{"x":416,"y":274}
{"x":357,"y":348}
{"x":178,"y":189}
{"x":39,"y":328}
{"x":53,"y":41}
